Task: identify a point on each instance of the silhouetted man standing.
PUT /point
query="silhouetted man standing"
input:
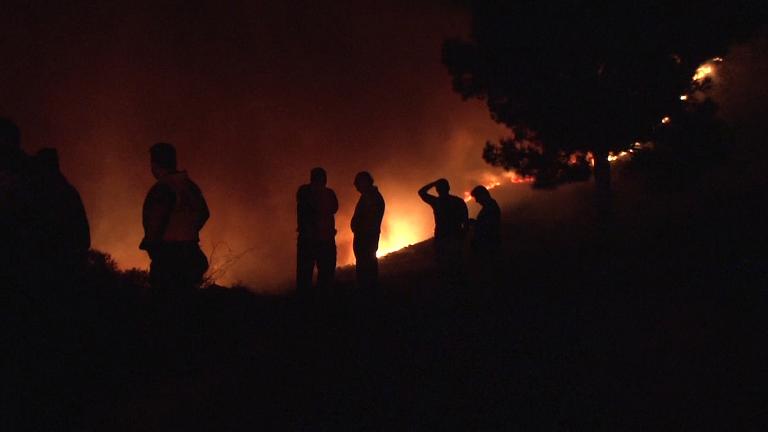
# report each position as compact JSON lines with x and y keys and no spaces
{"x":316,"y":205}
{"x":366,"y":226}
{"x":64,"y":226}
{"x":487,"y":226}
{"x":451,"y":217}
{"x":18,"y":213}
{"x":173,"y":215}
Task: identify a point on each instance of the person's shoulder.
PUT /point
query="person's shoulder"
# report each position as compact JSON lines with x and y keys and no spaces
{"x":458,"y":201}
{"x":160,"y":191}
{"x":194,"y":186}
{"x":163,"y":187}
{"x":159,"y":187}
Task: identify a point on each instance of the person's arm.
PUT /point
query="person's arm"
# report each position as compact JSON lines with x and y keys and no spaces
{"x":374,"y":211}
{"x":82,"y":228}
{"x":464,"y":215}
{"x":205,"y":213}
{"x":354,"y":224}
{"x":334,"y":202}
{"x":424,"y":193}
{"x":157,"y":209}
{"x":301,"y":208}
{"x":381,"y":206}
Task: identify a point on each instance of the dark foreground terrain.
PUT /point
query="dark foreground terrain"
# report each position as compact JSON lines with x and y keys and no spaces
{"x":653,"y":319}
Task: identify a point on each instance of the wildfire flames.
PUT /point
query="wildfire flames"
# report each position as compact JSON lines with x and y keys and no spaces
{"x":407,"y":223}
{"x":398,"y":233}
{"x":401,"y":232}
{"x":491,"y":181}
{"x":706,"y":70}
{"x":405,"y":226}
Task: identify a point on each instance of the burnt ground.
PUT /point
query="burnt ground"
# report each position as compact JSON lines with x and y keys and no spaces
{"x":653,"y":320}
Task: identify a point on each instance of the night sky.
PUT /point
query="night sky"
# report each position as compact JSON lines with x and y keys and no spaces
{"x":253,"y":96}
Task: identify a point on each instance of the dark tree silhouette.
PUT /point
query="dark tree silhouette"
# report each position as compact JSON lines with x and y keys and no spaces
{"x":568,"y":77}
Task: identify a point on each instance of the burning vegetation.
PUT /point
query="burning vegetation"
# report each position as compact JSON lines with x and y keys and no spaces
{"x":573,"y":166}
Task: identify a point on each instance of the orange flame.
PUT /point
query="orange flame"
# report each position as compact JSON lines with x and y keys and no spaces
{"x":493,"y":181}
{"x":397,"y":234}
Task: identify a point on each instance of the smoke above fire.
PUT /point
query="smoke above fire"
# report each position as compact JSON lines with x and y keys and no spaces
{"x":742,"y":84}
{"x":253,"y":96}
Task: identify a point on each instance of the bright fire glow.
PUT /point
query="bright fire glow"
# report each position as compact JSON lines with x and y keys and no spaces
{"x":397,"y":234}
{"x":620,"y":155}
{"x":706,"y":70}
{"x":400,"y":232}
{"x":702,"y":72}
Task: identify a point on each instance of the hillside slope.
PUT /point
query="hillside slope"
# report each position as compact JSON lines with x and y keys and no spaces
{"x":648,"y":321}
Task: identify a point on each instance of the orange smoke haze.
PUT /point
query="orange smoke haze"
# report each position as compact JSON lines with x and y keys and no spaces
{"x":253,"y":96}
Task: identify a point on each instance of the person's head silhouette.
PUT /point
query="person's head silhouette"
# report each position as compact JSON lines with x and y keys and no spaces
{"x":318,"y":177}
{"x":443,"y":187}
{"x":363,"y":181}
{"x":481,"y":194}
{"x":163,"y":159}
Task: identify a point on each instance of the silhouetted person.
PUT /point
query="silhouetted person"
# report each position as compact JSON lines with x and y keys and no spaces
{"x":66,"y":237}
{"x":18,"y":212}
{"x":366,"y":227}
{"x":487,"y":226}
{"x":174,"y":213}
{"x":316,"y":205}
{"x":451,"y":218}
{"x":25,"y":326}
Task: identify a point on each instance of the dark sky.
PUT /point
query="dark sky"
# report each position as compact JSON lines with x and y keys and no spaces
{"x":253,"y":95}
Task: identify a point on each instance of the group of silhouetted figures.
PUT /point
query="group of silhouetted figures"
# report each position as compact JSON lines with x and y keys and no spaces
{"x":45,"y":231}
{"x":46,"y":234}
{"x":317,"y":204}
